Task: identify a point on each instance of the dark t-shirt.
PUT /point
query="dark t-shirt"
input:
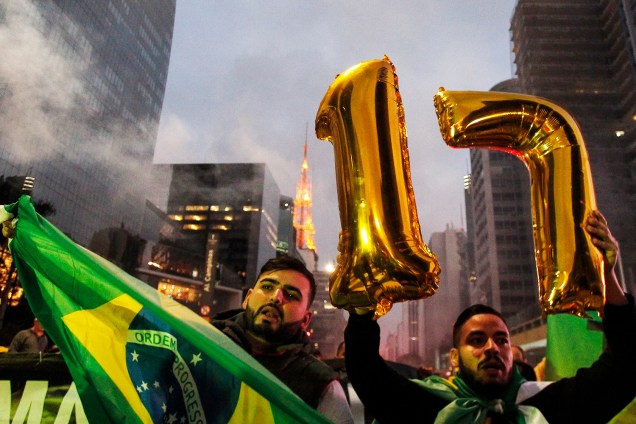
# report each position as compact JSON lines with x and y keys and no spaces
{"x":28,"y":341}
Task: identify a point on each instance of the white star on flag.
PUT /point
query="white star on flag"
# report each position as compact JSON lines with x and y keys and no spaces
{"x":196,"y":359}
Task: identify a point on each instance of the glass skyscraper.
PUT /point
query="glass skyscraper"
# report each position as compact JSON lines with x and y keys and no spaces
{"x":81,"y":90}
{"x":236,"y":206}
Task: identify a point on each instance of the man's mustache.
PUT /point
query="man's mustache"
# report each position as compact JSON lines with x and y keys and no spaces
{"x":276,"y":306}
{"x":493,"y":359}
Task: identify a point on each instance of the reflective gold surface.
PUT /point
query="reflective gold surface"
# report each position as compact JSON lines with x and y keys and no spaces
{"x":382,"y":257}
{"x":548,"y":140}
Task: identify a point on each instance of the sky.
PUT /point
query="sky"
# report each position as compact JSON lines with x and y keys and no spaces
{"x":246,"y":79}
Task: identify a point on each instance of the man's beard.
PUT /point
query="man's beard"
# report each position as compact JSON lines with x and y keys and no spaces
{"x":492,"y":390}
{"x":264,"y":330}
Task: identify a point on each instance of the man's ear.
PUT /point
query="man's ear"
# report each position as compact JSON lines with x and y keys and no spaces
{"x":247,"y":296}
{"x":454,"y":357}
{"x":306,"y":320}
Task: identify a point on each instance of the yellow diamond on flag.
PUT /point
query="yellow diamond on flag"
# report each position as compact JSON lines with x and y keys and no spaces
{"x":103,"y":331}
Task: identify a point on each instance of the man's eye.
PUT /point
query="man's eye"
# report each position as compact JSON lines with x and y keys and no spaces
{"x":266,"y":286}
{"x":502,"y":341}
{"x":292,"y":295}
{"x":477,"y":341}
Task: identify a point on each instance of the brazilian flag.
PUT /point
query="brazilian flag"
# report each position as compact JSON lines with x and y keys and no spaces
{"x":135,"y":355}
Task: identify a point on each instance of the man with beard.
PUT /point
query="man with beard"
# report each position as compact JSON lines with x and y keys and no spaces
{"x":487,"y":387}
{"x":272,"y":327}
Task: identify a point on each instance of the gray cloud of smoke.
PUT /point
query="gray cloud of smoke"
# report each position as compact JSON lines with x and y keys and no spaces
{"x":48,"y":103}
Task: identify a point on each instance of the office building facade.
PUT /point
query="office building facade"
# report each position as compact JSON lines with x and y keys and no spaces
{"x":500,"y":222}
{"x":327,"y":324}
{"x":80,"y":101}
{"x":441,"y":310}
{"x":581,"y":55}
{"x":228,"y":215}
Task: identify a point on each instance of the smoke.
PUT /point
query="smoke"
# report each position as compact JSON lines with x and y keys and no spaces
{"x":174,"y":136}
{"x":42,"y":86}
{"x":54,"y":109}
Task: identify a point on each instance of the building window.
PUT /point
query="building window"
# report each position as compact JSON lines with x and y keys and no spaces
{"x":179,"y":292}
{"x":196,"y":208}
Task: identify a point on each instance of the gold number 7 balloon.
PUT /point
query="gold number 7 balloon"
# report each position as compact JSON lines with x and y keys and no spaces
{"x":382,"y":257}
{"x":548,"y":140}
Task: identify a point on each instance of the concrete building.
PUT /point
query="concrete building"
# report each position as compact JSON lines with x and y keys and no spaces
{"x":220,"y":228}
{"x":441,"y":310}
{"x":500,"y":220}
{"x":423,"y":334}
{"x":580,"y":55}
{"x":286,"y":243}
{"x":328,"y":322}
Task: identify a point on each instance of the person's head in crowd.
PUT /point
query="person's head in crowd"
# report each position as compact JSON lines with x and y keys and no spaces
{"x":518,"y":354}
{"x":482,"y":351}
{"x":277,"y":307}
{"x":37,"y":327}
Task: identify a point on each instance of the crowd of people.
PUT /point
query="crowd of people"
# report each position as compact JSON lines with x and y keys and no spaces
{"x":486,"y":385}
{"x":491,"y":380}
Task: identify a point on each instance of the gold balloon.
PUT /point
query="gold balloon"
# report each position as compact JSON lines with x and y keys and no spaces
{"x":382,"y":257}
{"x":548,"y":140}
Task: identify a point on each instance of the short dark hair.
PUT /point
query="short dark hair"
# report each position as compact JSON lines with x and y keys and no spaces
{"x":469,"y":312}
{"x":286,"y":262}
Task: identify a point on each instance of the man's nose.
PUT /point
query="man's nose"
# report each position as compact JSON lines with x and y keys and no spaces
{"x":491,"y":346}
{"x":278,"y":295}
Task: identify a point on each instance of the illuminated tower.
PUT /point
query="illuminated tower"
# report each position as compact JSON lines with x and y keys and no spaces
{"x":302,"y":210}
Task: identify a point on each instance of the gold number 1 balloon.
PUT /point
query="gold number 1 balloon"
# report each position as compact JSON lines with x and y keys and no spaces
{"x":548,"y":140}
{"x":382,"y":258}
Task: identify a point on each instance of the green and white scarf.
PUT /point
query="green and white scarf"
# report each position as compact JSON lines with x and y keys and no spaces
{"x":466,"y":407}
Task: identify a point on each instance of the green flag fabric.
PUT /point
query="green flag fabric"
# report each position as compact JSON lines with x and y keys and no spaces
{"x":135,"y":355}
{"x":572,"y":343}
